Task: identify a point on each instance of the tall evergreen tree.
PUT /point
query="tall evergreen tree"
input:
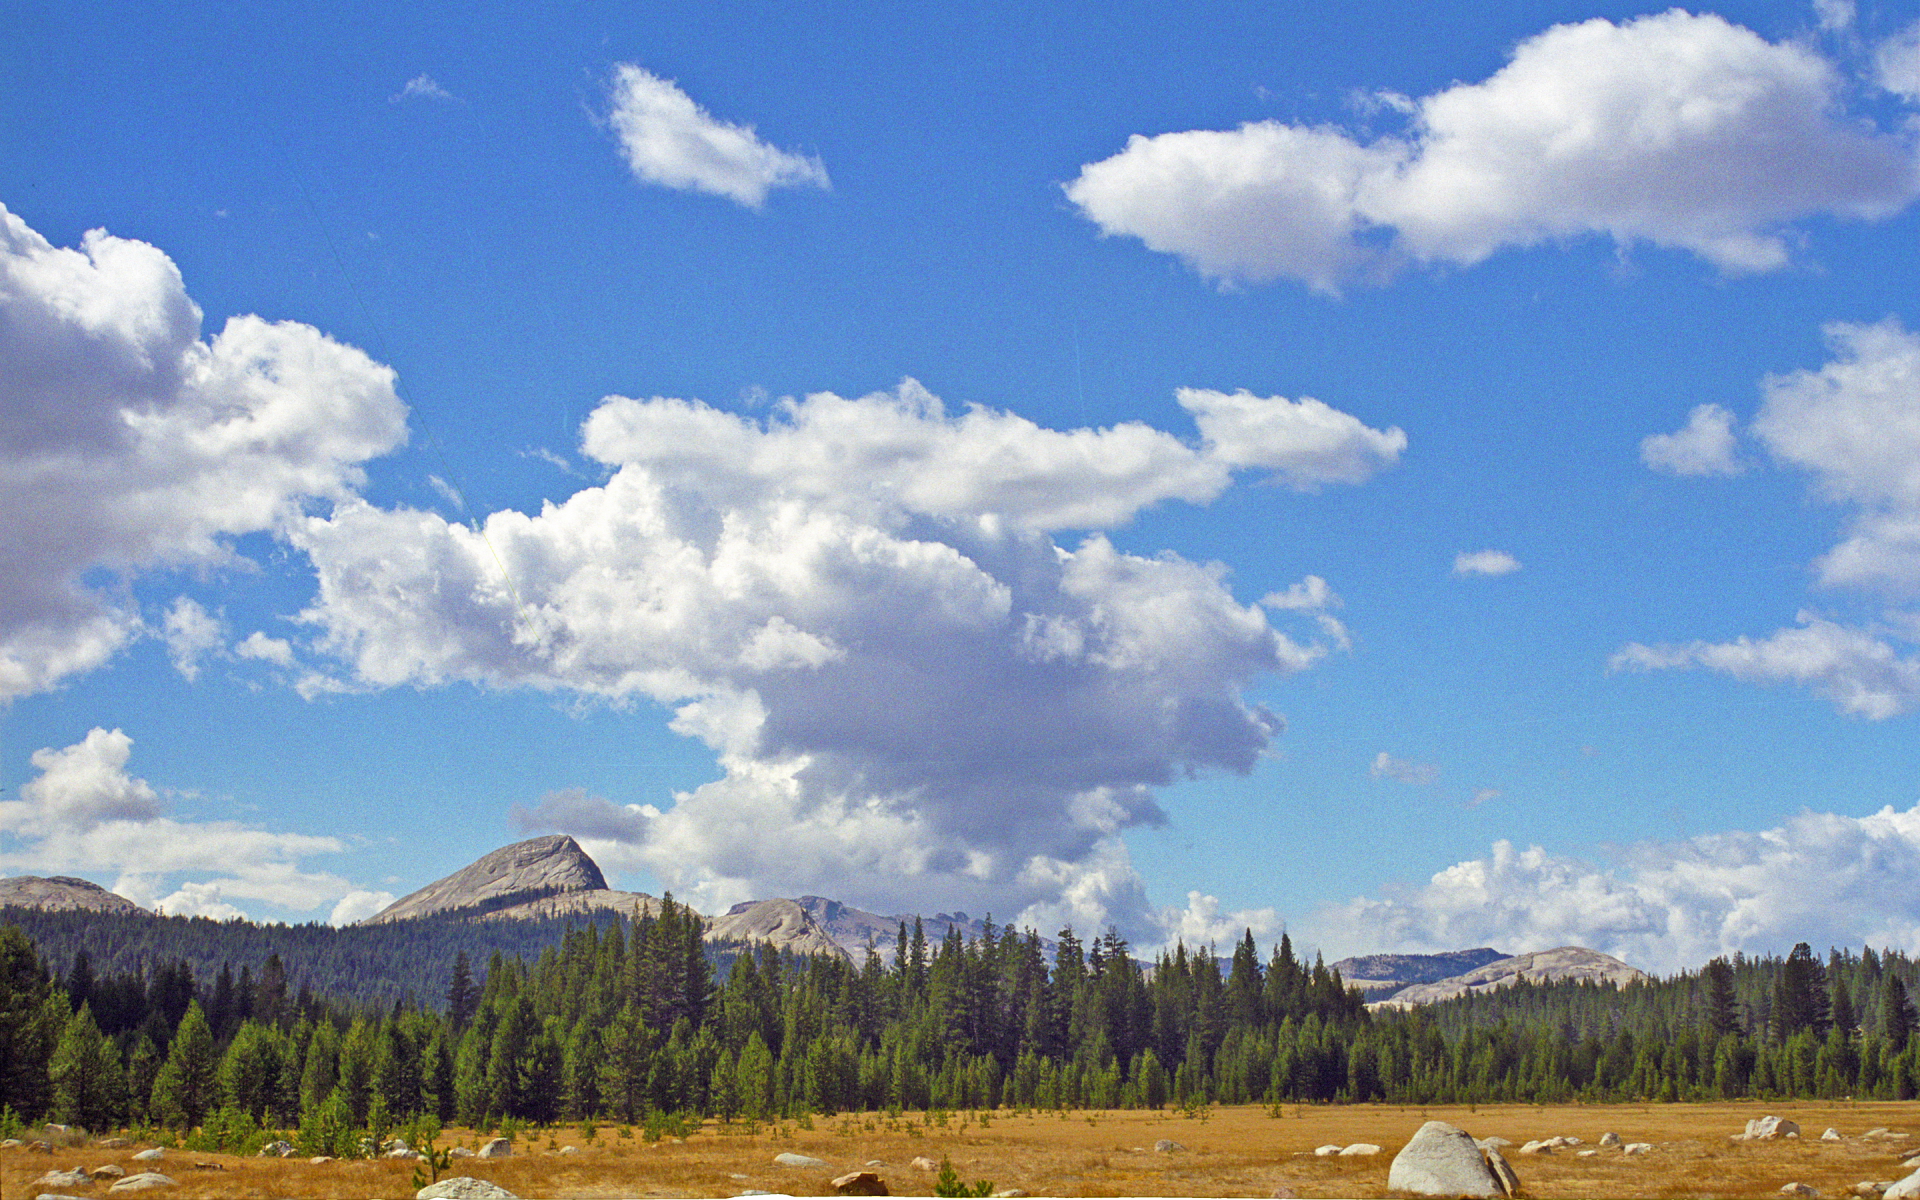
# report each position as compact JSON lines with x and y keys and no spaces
{"x":89,"y":1088}
{"x":463,"y":995}
{"x":186,"y":1089}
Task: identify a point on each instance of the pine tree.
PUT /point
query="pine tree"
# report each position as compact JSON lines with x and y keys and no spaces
{"x":185,"y":1090}
{"x":89,"y":1088}
{"x":32,"y":1015}
{"x":1723,"y":1008}
{"x":1897,"y":1018}
{"x":463,"y":995}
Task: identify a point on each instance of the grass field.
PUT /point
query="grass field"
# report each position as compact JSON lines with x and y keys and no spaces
{"x":1232,"y":1152}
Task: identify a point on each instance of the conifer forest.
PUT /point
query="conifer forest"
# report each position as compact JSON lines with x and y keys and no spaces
{"x":642,"y":1024}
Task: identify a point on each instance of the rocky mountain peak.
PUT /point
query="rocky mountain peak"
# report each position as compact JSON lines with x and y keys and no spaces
{"x":516,"y":874}
{"x":61,"y":893}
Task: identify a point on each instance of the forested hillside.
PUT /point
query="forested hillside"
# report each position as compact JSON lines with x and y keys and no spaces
{"x":633,"y":1024}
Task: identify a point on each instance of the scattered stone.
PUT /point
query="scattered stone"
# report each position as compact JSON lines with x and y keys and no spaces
{"x":1797,"y":1189}
{"x":402,"y":1152}
{"x":860,"y":1183}
{"x":1537,"y":1146}
{"x":1009,"y":1192}
{"x":1503,"y":1173}
{"x":277,"y":1150}
{"x":397,"y":1143}
{"x":1566,"y":1141}
{"x":1868,"y":1188}
{"x":1768,"y":1128}
{"x":1878,"y":1131}
{"x":144,"y":1181}
{"x":1442,"y":1160}
{"x":459,"y":1152}
{"x":1609,"y":1139}
{"x":1636,"y":1147}
{"x":113,"y":1143}
{"x":563,"y":1150}
{"x":497,"y":1148}
{"x":205,"y":1166}
{"x":1492,"y":1143}
{"x":1360,"y":1150}
{"x":108,"y":1171}
{"x":790,"y":1159}
{"x":1905,"y":1189}
{"x":1585,"y":1153}
{"x":153,"y":1155}
{"x":1793,"y":1136}
{"x":1326,"y":1151}
{"x":42,"y":1147}
{"x":9,"y":1144}
{"x":50,"y":1127}
{"x":1167,"y":1146}
{"x":923,"y":1163}
{"x":876,"y":1162}
{"x":60,"y":1179}
{"x":317,"y":1159}
{"x":1831,"y":1135}
{"x":464,"y":1187}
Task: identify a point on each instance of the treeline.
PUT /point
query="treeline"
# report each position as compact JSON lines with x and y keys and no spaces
{"x":1762,"y":1027}
{"x":358,"y":964}
{"x":634,"y":1024}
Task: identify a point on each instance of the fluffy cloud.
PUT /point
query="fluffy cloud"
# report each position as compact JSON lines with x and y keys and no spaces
{"x":127,"y":442}
{"x":860,"y":606}
{"x":671,"y":141}
{"x":1854,"y":425}
{"x":1704,"y":446}
{"x":1485,"y":562}
{"x":1859,"y":670}
{"x":1680,"y":130}
{"x":1823,"y":878}
{"x":1403,"y":770}
{"x":84,"y":812}
{"x":1897,"y":63}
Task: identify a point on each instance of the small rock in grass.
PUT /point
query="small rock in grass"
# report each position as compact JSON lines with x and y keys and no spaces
{"x":1326,"y":1151}
{"x":1585,"y":1153}
{"x":1636,"y":1147}
{"x":108,"y":1171}
{"x":789,"y":1159}
{"x":1831,"y":1135}
{"x":1609,"y":1139}
{"x":144,"y":1181}
{"x":497,"y":1148}
{"x":60,"y":1179}
{"x":464,"y":1187}
{"x":1797,"y":1189}
{"x":860,"y":1183}
{"x":1167,"y":1146}
{"x":1360,"y":1150}
{"x":153,"y":1155}
{"x":923,"y":1163}
{"x":1537,"y":1146}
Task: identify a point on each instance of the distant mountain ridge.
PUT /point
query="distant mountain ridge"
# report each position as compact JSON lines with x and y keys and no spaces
{"x":61,"y":893}
{"x":1380,"y":975}
{"x":1541,"y":966}
{"x":852,"y":928}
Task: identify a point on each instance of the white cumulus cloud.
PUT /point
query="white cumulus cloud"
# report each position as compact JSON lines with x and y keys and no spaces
{"x":671,"y":141}
{"x":1680,"y":130}
{"x":1897,"y":63}
{"x":127,"y":442}
{"x":1403,"y":770}
{"x":860,"y":605}
{"x":1703,"y":446}
{"x":1485,"y":562}
{"x":1823,"y":878}
{"x":1854,"y":426}
{"x":85,"y":812}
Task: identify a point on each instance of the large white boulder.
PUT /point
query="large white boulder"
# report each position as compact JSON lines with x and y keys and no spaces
{"x":790,"y":1159}
{"x":497,"y":1148}
{"x":1442,"y":1160}
{"x":1766,"y":1129}
{"x":464,"y":1187}
{"x":1905,"y":1189}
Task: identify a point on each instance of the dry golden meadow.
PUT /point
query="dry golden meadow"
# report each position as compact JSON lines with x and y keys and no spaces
{"x":1233,"y":1152}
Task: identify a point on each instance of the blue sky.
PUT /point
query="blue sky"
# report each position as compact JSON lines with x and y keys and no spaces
{"x":1414,"y":483}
